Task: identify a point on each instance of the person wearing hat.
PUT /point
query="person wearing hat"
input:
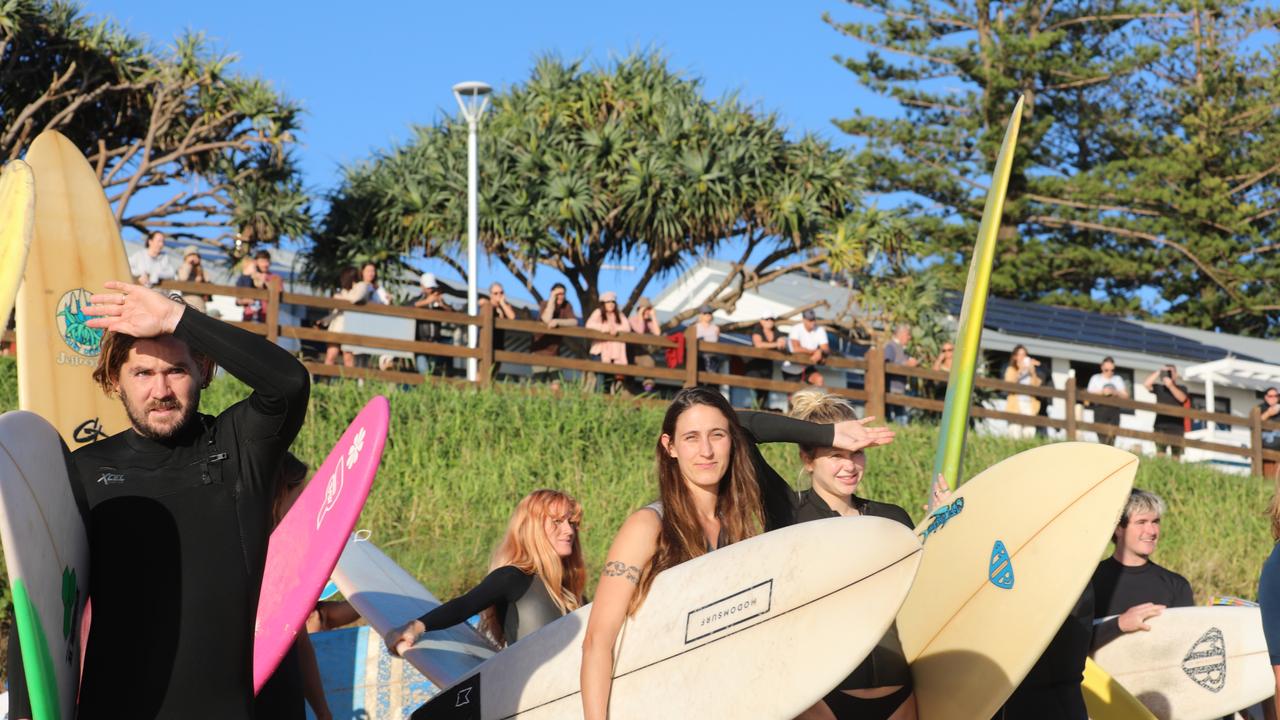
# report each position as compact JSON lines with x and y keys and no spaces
{"x":808,"y":338}
{"x":193,"y":272}
{"x":707,"y":331}
{"x":608,"y":319}
{"x":430,"y":297}
{"x":644,"y":322}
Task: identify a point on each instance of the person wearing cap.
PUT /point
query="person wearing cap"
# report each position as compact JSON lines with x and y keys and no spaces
{"x":608,"y":319}
{"x":809,"y":338}
{"x":501,"y":308}
{"x":429,"y":297}
{"x":193,"y":272}
{"x":708,"y":331}
{"x":765,"y":336}
{"x":644,"y":322}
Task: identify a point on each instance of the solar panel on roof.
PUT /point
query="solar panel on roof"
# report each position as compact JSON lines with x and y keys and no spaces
{"x":1080,"y":326}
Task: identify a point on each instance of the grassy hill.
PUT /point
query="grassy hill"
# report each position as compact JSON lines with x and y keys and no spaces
{"x":458,"y":459}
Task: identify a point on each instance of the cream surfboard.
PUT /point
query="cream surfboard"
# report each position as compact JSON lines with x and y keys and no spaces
{"x":1107,"y":699}
{"x":1195,"y":663}
{"x":386,"y":596}
{"x":46,"y":552}
{"x":75,"y":249}
{"x":1002,"y":566}
{"x":760,"y":629}
{"x":17,"y":222}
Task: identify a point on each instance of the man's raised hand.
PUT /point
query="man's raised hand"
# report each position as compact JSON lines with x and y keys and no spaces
{"x":133,"y":310}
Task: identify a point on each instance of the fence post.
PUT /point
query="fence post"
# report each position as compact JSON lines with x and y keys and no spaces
{"x":691,"y":356}
{"x":873,"y":382}
{"x":484,"y":366}
{"x":273,"y":310}
{"x":1071,"y":408}
{"x":1255,"y":440}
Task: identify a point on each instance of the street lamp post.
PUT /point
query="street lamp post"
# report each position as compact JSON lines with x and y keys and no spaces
{"x":473,"y":98}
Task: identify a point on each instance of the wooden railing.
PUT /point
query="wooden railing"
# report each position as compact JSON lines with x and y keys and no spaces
{"x":874,"y":394}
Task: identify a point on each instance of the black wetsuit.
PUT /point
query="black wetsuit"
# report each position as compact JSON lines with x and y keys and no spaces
{"x":178,"y":538}
{"x":1118,"y":587}
{"x":885,"y":666}
{"x":520,"y":599}
{"x":1051,"y":690}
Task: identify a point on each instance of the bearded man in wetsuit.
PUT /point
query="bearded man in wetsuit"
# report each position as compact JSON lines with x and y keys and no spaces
{"x":180,"y":509}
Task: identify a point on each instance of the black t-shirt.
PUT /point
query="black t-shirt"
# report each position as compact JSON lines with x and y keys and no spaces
{"x":1171,"y":424}
{"x":1118,"y":587}
{"x":761,"y":366}
{"x":178,"y":538}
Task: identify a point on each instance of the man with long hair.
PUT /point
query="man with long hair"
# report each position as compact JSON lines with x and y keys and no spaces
{"x":180,"y":509}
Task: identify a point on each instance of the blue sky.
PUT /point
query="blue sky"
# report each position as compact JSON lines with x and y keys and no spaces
{"x":366,"y":77}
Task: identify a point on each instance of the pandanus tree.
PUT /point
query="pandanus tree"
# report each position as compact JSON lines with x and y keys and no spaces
{"x":580,"y":167}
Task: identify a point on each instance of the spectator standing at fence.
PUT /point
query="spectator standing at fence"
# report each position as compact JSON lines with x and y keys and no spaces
{"x":943,"y":361}
{"x":707,"y":331}
{"x":152,"y":264}
{"x":1022,"y":371}
{"x":1269,"y":409}
{"x":1164,"y":384}
{"x":608,"y":319}
{"x":257,"y":274}
{"x":765,"y":336}
{"x":644,"y":322}
{"x":554,"y":312}
{"x":429,"y":297}
{"x":352,"y":291}
{"x":375,"y":294}
{"x":498,"y":304}
{"x":810,"y":338}
{"x":1108,"y":383}
{"x":895,"y":353}
{"x":192,"y":271}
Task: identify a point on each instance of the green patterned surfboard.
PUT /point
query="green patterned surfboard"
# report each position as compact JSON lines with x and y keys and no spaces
{"x":955,"y":412}
{"x":46,"y":552}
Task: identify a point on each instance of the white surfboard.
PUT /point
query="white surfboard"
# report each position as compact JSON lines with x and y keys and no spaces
{"x":1195,"y":663}
{"x":46,"y":552}
{"x":361,"y":680}
{"x":759,"y":629}
{"x":1002,"y":568}
{"x":386,"y":596}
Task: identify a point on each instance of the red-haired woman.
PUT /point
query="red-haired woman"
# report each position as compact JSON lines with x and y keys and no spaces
{"x":714,"y":491}
{"x":536,"y":575}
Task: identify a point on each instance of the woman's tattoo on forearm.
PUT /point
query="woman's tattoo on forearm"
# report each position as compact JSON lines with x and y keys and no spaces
{"x":613,"y":568}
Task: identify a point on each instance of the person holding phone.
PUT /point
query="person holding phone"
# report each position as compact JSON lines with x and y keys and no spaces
{"x":1163,"y":383}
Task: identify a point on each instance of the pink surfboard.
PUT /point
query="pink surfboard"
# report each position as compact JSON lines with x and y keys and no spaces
{"x":306,"y":544}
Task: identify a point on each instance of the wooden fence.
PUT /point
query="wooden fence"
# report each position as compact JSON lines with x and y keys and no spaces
{"x":874,"y":393}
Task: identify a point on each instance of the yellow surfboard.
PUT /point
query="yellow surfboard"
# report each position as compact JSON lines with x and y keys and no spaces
{"x":1002,"y":568}
{"x":1106,"y":699}
{"x":76,"y":248}
{"x":17,"y":219}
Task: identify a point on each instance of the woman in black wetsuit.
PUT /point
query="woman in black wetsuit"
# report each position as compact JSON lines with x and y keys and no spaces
{"x":536,"y":575}
{"x":881,"y":686}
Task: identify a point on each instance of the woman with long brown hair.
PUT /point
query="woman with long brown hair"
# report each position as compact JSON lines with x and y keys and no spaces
{"x":536,"y":575}
{"x":711,"y":495}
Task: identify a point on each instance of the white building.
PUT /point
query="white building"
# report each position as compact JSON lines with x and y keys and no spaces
{"x":1068,"y":342}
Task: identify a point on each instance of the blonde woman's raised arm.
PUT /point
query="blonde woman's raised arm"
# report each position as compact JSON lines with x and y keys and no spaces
{"x":631,"y":552}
